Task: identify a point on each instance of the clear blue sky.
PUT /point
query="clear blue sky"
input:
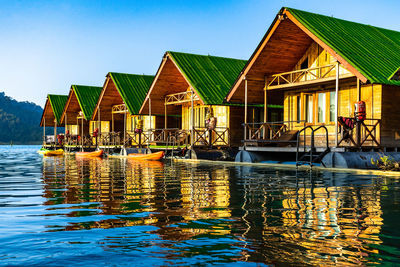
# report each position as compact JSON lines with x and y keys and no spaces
{"x":45,"y":46}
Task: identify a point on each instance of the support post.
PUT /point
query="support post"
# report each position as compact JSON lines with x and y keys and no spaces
{"x":123,"y":146}
{"x":55,"y":128}
{"x":265,"y":109}
{"x":265,"y":106}
{"x":245,"y":111}
{"x":65,"y":124}
{"x":65,"y":127}
{"x":112,"y":121}
{"x":337,"y":103}
{"x":82,"y":133}
{"x":55,"y":131}
{"x":358,"y":124}
{"x":191,"y":119}
{"x":149,"y":130}
{"x":165,"y":114}
{"x":99,"y":125}
{"x":44,"y":130}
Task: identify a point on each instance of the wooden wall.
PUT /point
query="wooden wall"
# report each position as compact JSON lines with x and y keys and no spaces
{"x":390,"y":116}
{"x":317,"y":57}
{"x":235,"y":124}
{"x":371,"y":94}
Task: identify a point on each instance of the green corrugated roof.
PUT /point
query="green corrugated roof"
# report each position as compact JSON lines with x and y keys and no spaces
{"x":211,"y":77}
{"x":87,"y":97}
{"x":57,"y":103}
{"x":132,"y":88}
{"x":373,"y":51}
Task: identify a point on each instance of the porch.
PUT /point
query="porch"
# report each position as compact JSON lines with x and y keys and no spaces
{"x":193,"y":130}
{"x":283,"y":136}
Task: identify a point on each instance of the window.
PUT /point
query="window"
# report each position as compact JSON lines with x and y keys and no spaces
{"x":309,"y":108}
{"x":321,"y":107}
{"x":332,"y":110}
{"x":298,"y":111}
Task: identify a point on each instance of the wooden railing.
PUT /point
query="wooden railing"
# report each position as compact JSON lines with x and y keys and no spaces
{"x":267,"y":130}
{"x":364,"y":134}
{"x":110,"y":139}
{"x":220,"y":136}
{"x":162,"y":136}
{"x":121,"y":108}
{"x":180,"y":98}
{"x":302,"y":75}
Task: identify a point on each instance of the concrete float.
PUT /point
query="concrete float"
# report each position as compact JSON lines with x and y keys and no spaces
{"x":344,"y":160}
{"x":356,"y":160}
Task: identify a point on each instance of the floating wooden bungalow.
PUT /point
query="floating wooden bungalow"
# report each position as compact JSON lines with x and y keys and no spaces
{"x":77,"y":115}
{"x":192,"y":88}
{"x":323,"y":66}
{"x":51,"y":117}
{"x":118,"y":108}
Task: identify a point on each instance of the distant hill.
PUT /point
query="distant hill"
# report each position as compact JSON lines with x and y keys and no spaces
{"x":19,"y":121}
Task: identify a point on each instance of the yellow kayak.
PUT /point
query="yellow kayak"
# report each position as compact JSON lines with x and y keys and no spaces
{"x":58,"y":152}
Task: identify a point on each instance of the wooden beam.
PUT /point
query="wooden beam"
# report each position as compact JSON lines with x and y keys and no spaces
{"x":309,"y":82}
{"x":358,"y":90}
{"x":253,"y":58}
{"x":245,"y":108}
{"x":101,"y":97}
{"x":337,"y":103}
{"x":160,"y":68}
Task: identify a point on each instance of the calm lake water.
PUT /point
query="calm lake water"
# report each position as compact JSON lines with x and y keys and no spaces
{"x":63,"y":211}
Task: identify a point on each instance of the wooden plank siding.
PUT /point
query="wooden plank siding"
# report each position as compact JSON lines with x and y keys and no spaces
{"x":235,"y":126}
{"x":348,"y":96}
{"x":371,"y":94}
{"x":390,"y":116}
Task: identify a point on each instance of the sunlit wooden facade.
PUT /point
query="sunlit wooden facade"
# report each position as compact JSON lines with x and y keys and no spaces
{"x":77,"y":115}
{"x":301,"y":61}
{"x":117,"y":109}
{"x":192,"y":88}
{"x":51,"y":117}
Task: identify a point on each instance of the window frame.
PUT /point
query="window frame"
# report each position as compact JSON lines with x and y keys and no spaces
{"x":303,"y":104}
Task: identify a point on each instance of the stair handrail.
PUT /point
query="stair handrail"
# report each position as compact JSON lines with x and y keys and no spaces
{"x":298,"y":141}
{"x":312,"y":141}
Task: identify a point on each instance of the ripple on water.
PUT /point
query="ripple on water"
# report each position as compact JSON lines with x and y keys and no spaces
{"x":63,"y":211}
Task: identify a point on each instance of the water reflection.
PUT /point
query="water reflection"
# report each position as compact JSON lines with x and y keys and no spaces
{"x":185,"y":213}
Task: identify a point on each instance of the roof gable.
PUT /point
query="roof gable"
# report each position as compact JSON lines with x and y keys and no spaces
{"x":57,"y":103}
{"x":211,"y":77}
{"x":373,"y":51}
{"x":132,"y":88}
{"x":87,"y":97}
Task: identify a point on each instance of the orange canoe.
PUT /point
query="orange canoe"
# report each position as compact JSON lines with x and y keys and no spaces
{"x":98,"y":153}
{"x":151,"y":156}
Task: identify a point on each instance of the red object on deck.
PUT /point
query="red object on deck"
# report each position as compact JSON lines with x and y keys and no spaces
{"x":360,"y":111}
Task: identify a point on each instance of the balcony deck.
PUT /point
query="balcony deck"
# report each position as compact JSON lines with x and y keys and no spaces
{"x":279,"y":137}
{"x":305,"y":77}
